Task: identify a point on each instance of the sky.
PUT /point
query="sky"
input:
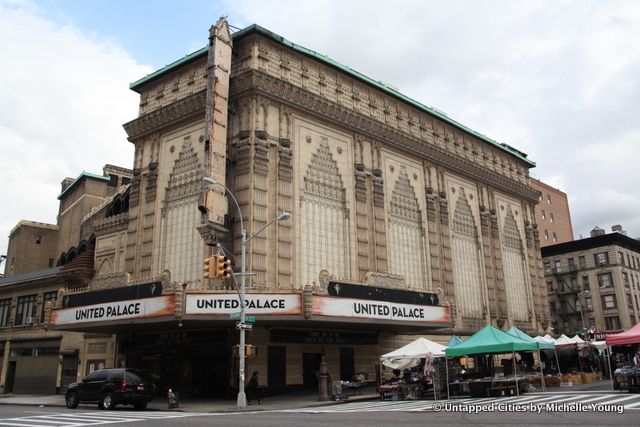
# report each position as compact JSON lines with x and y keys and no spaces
{"x":559,"y":80}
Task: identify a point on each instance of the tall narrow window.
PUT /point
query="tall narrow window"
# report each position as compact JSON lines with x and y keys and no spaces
{"x":324,"y":244}
{"x":26,"y":310}
{"x":466,"y":262}
{"x":406,"y":235}
{"x":514,"y":277}
{"x":183,"y":249}
{"x":5,"y":311}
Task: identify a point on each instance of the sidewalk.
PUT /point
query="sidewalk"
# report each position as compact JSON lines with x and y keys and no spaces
{"x":288,"y":401}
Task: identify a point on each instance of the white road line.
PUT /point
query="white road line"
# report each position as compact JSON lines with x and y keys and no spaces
{"x":604,"y":396}
{"x":622,"y":399}
{"x":631,"y":405}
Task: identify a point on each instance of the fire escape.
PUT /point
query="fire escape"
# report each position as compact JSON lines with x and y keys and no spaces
{"x":567,"y":293}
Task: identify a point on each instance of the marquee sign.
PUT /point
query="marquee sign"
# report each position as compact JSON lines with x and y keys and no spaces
{"x":256,"y":304}
{"x":115,"y":310}
{"x":382,"y":310}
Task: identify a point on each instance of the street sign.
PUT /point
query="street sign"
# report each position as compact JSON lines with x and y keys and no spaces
{"x":250,"y":319}
{"x":245,"y":326}
{"x":234,"y":315}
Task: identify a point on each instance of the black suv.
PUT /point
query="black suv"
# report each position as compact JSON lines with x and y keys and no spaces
{"x":110,"y":387}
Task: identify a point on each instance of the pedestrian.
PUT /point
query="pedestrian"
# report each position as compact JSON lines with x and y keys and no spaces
{"x":253,"y":392}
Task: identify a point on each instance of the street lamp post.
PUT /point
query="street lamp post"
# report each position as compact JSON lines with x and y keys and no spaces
{"x":242,"y":397}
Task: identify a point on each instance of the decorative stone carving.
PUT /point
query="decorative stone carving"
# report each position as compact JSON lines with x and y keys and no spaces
{"x":385,"y":280}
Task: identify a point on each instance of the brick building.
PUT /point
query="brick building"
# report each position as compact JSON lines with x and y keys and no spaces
{"x":552,"y":215}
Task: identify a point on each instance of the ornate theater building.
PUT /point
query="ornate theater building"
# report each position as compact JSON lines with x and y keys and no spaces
{"x":403,"y":221}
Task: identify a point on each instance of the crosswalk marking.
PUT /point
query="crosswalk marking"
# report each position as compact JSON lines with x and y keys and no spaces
{"x":81,"y":419}
{"x":626,"y":400}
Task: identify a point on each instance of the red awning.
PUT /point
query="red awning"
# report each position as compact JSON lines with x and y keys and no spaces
{"x":630,"y":336}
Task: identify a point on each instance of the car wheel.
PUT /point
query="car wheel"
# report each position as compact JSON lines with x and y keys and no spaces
{"x":72,"y":399}
{"x":140,"y":406}
{"x":107,"y":401}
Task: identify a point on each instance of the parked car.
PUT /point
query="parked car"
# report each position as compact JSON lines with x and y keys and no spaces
{"x":111,"y":387}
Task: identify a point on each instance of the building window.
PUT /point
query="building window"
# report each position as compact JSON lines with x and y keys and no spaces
{"x":549,"y":286}
{"x":612,"y":323}
{"x":574,"y":283}
{"x":548,"y":199}
{"x":572,"y":264}
{"x":585,"y":283}
{"x":125,"y":180}
{"x":38,"y":240}
{"x":552,"y":307}
{"x":5,"y":309}
{"x":555,"y":238}
{"x":551,"y":218}
{"x":625,"y":279}
{"x":605,"y":280}
{"x":26,"y":310}
{"x":601,"y":258}
{"x":544,"y":214}
{"x":51,"y":261}
{"x":48,"y":296}
{"x":592,"y":323}
{"x":546,"y":234}
{"x":582,"y":261}
{"x":94,"y":365}
{"x":588,"y":302}
{"x":621,"y":258}
{"x":113,"y":181}
{"x":558,"y":267}
{"x":609,"y":301}
{"x":629,"y":302}
{"x":547,"y":267}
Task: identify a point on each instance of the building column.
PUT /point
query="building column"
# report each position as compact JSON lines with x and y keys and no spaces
{"x":5,"y":364}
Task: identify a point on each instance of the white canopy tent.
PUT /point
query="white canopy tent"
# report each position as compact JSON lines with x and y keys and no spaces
{"x":410,"y":355}
{"x":549,"y":340}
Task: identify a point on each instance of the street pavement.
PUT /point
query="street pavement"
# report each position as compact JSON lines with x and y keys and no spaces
{"x":584,"y":405}
{"x":310,"y":402}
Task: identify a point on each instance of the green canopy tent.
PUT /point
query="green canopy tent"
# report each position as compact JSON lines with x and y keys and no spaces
{"x":491,"y":340}
{"x":543,"y":345}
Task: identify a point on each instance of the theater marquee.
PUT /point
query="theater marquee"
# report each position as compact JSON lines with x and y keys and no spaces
{"x":381,"y":310}
{"x":256,"y":304}
{"x":115,"y":310}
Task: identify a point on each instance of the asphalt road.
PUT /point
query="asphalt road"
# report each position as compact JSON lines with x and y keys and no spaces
{"x":29,"y":416}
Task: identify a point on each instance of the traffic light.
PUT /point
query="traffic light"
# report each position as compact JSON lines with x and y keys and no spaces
{"x":209,"y":267}
{"x":249,"y":350}
{"x":223,"y":268}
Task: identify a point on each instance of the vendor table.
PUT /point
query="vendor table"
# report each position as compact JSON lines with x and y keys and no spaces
{"x":400,"y":391}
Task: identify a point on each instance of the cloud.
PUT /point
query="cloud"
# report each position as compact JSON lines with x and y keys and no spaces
{"x":64,"y":99}
{"x":556,"y":79}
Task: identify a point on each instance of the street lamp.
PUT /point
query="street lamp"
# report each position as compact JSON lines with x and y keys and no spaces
{"x":242,"y":397}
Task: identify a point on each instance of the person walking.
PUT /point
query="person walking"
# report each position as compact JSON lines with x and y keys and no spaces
{"x":253,"y":392}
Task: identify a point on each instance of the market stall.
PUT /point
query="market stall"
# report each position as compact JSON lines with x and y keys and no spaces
{"x":491,"y":341}
{"x":412,"y":384}
{"x":627,"y":376}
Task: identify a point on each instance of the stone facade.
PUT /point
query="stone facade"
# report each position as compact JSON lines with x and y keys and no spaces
{"x":32,"y":246}
{"x":374,"y":182}
{"x":384,"y":194}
